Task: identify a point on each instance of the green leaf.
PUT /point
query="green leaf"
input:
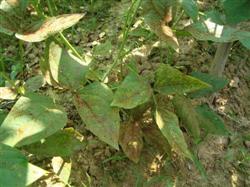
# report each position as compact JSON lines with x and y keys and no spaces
{"x":15,"y":171}
{"x":13,"y":167}
{"x":217,"y":84}
{"x":93,"y":103}
{"x":3,"y":115}
{"x":169,"y":125}
{"x":62,"y":143}
{"x":212,"y":31}
{"x":171,"y":81}
{"x":246,"y":42}
{"x":132,"y":92}
{"x":66,"y":69}
{"x":210,"y":121}
{"x":34,"y":83}
{"x":51,"y":26}
{"x":188,"y":115}
{"x":236,"y":11}
{"x":190,"y":7}
{"x":103,"y":49}
{"x":32,"y":118}
{"x":215,"y":16}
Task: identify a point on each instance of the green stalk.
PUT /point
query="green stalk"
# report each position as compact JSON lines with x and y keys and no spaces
{"x":67,"y":43}
{"x":220,"y":59}
{"x":52,"y":11}
{"x":11,"y":82}
{"x":129,"y":20}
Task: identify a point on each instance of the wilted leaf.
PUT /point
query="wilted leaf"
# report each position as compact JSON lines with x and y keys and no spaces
{"x":236,"y":11}
{"x":171,"y":81}
{"x":190,"y":7}
{"x":132,"y":92}
{"x":32,"y":118}
{"x":217,"y":83}
{"x":34,"y":83}
{"x":15,"y":169}
{"x":51,"y":26}
{"x":34,"y":173}
{"x":62,"y":143}
{"x":45,"y":66}
{"x":62,"y":168}
{"x":210,"y":121}
{"x":188,"y":115}
{"x":66,"y":69}
{"x":157,"y":14}
{"x":131,"y":140}
{"x":7,"y":93}
{"x":209,"y":30}
{"x":169,"y":125}
{"x":93,"y":104}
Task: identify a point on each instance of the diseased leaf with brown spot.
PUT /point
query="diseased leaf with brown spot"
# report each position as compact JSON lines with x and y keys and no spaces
{"x":188,"y":115}
{"x":171,"y":81}
{"x":66,"y":69}
{"x":50,"y":27}
{"x":131,"y":140}
{"x":132,"y":92}
{"x":31,"y":119}
{"x":93,"y":103}
{"x":154,"y":137}
{"x":169,"y":125}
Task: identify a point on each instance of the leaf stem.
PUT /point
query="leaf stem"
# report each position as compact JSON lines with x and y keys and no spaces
{"x":52,"y":11}
{"x":67,"y":43}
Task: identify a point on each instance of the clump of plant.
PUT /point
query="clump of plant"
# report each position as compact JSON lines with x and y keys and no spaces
{"x":37,"y":123}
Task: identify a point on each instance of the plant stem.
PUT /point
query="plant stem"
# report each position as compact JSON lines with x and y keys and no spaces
{"x":220,"y":59}
{"x":128,"y":23}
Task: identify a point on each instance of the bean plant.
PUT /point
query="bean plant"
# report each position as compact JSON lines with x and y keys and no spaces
{"x":113,"y":109}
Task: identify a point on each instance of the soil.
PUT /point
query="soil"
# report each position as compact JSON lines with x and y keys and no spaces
{"x":225,"y":159}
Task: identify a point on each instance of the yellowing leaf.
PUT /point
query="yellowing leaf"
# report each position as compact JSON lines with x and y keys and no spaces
{"x":131,"y":140}
{"x":51,"y":26}
{"x":171,"y":81}
{"x":169,"y":125}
